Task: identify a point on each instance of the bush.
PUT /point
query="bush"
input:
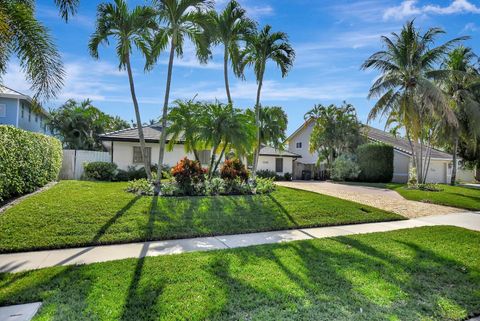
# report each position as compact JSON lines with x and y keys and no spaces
{"x":137,"y":173}
{"x":345,"y":168}
{"x":100,"y":171}
{"x":140,"y":187}
{"x":376,"y":162}
{"x":237,"y":186}
{"x":187,"y":173}
{"x":287,"y":176}
{"x":215,"y":186}
{"x":264,"y":185}
{"x":233,"y":169}
{"x":430,"y":187}
{"x":27,"y":161}
{"x":169,"y":189}
{"x":265,"y":173}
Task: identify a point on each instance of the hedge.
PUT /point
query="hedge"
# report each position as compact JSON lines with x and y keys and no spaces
{"x":376,"y":162}
{"x":100,"y":171}
{"x":28,"y":161}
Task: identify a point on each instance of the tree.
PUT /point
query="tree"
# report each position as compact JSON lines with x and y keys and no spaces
{"x":78,"y":125}
{"x":179,"y":19}
{"x":405,"y":87}
{"x":184,"y":123}
{"x":228,"y":28}
{"x":336,"y":131}
{"x":273,"y":126}
{"x":262,"y":47}
{"x":461,"y":85}
{"x":130,"y":29}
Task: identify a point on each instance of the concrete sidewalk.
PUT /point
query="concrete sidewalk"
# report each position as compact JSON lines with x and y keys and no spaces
{"x":24,"y":261}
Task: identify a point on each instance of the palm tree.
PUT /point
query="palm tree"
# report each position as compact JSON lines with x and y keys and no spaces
{"x":129,"y":28}
{"x":273,"y":126}
{"x":261,"y":47}
{"x":179,"y":19}
{"x":460,"y":85}
{"x":23,"y":35}
{"x":405,"y":87}
{"x":184,"y":124}
{"x":228,"y":28}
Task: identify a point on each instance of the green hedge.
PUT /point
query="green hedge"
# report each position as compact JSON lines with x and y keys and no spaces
{"x":376,"y":162}
{"x":27,"y":161}
{"x":100,"y":171}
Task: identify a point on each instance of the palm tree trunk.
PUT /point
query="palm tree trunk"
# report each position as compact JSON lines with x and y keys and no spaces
{"x":212,"y":161}
{"x":454,"y":168}
{"x":195,"y":154}
{"x":225,"y":74}
{"x":257,"y":123}
{"x":220,"y":157}
{"x":138,"y":119}
{"x":163,"y":135}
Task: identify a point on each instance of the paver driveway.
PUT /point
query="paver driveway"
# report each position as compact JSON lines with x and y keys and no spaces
{"x":377,"y":197}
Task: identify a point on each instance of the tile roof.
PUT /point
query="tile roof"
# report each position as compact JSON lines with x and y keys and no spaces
{"x":151,"y":132}
{"x":271,"y":151}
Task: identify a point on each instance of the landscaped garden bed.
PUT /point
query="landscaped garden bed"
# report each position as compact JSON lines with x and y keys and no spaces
{"x":77,"y":213}
{"x":429,"y":273}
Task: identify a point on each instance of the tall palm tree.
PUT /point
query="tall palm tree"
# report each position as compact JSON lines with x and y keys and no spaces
{"x":130,"y":29}
{"x":262,"y":47}
{"x":228,"y":28}
{"x":21,"y":34}
{"x":179,"y":19}
{"x":273,"y":126}
{"x":460,"y":86}
{"x":405,"y":87}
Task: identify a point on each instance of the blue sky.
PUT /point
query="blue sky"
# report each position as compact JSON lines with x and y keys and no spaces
{"x":331,"y":39}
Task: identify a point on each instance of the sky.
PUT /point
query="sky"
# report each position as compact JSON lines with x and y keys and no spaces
{"x":331,"y":40}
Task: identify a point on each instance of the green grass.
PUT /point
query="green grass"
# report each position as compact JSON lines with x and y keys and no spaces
{"x":455,"y":196}
{"x":75,"y":213}
{"x":429,"y":273}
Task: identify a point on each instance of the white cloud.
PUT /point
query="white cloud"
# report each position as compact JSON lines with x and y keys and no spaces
{"x":472,"y":27}
{"x":409,"y":8}
{"x":253,"y":8}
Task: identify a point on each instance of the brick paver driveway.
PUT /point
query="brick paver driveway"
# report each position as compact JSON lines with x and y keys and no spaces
{"x":377,"y":197}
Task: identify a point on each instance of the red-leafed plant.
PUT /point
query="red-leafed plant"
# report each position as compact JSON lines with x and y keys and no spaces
{"x":233,"y":169}
{"x":187,"y":173}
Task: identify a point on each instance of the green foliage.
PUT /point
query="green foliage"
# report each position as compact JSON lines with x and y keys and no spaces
{"x":266,"y":173}
{"x":345,"y":168}
{"x":287,"y":176}
{"x":412,"y":178}
{"x":215,"y":186}
{"x":27,"y":161}
{"x":140,"y":187}
{"x":430,"y":187}
{"x":376,"y":162}
{"x":169,"y":189}
{"x":237,"y":186}
{"x":187,"y":173}
{"x":232,"y":169}
{"x":100,"y":171}
{"x":137,"y":173}
{"x":264,"y":185}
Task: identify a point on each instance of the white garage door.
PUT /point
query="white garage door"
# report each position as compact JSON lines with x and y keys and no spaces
{"x":437,"y":172}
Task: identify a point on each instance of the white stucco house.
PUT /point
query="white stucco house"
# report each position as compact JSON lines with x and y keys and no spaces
{"x":440,"y":169}
{"x":124,"y":149}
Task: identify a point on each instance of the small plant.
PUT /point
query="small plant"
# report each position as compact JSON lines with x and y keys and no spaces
{"x":140,"y":187}
{"x":430,"y":187}
{"x":215,"y":186}
{"x":188,"y":173}
{"x":265,"y":173}
{"x":344,"y":168}
{"x":233,"y":169}
{"x":264,"y":185}
{"x":169,"y":189}
{"x":100,"y":171}
{"x":287,"y":176}
{"x":237,"y":186}
{"x":412,"y":178}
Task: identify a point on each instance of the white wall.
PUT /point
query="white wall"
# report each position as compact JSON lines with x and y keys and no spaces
{"x":268,"y":163}
{"x":303,"y":137}
{"x":401,"y":164}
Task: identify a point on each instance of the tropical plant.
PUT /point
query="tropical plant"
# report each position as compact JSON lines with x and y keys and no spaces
{"x":78,"y":125}
{"x":336,"y":130}
{"x":345,"y":167}
{"x":100,"y":171}
{"x":187,"y":173}
{"x":261,"y":47}
{"x":461,"y":85}
{"x":273,"y":126}
{"x":405,"y":88}
{"x":233,"y":169}
{"x":184,"y":124}
{"x":178,"y":19}
{"x":130,"y":29}
{"x":228,"y":28}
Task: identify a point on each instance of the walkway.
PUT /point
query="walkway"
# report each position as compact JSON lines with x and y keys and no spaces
{"x":373,"y":196}
{"x":17,"y":262}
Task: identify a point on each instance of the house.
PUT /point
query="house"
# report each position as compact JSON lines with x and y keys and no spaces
{"x":17,"y":109}
{"x":124,"y":148}
{"x":440,"y":169}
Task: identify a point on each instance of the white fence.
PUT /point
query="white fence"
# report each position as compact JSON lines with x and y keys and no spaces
{"x":73,"y":161}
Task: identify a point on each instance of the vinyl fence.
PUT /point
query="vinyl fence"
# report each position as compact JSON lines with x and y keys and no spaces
{"x":73,"y":161}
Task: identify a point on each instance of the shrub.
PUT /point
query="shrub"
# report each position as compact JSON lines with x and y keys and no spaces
{"x":345,"y":168}
{"x":265,"y":173}
{"x":233,"y":169}
{"x":412,"y":178}
{"x":140,"y":187}
{"x":237,"y":186}
{"x":287,"y":176}
{"x":100,"y":171}
{"x":215,"y":186}
{"x":27,"y":161}
{"x":430,"y":187}
{"x":137,"y":173}
{"x":187,"y":173}
{"x":376,"y":162}
{"x":169,"y":189}
{"x":264,"y":185}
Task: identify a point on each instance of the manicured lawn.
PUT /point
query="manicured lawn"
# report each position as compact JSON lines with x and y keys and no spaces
{"x":456,"y":196}
{"x":75,"y":213}
{"x":429,"y":273}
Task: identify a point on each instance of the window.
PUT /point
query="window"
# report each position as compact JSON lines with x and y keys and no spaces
{"x":279,"y":165}
{"x":36,"y":118}
{"x":137,"y":155}
{"x":29,"y":114}
{"x":299,"y":145}
{"x":204,"y":156}
{"x":23,"y":110}
{"x":3,"y":110}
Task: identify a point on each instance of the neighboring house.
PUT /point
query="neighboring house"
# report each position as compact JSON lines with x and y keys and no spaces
{"x":16,"y":109}
{"x":124,"y":148}
{"x":440,"y":169}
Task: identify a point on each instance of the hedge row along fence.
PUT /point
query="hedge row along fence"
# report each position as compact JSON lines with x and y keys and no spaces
{"x":376,"y":162}
{"x":27,"y":161}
